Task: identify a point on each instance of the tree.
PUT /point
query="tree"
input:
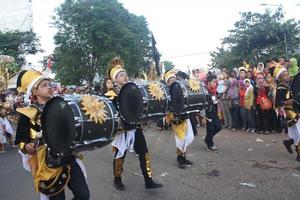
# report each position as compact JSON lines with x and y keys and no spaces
{"x":168,"y":65}
{"x":18,"y":45}
{"x":257,"y":37}
{"x":91,"y":33}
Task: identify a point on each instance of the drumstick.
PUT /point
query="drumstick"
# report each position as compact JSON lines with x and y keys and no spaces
{"x":210,"y":120}
{"x":36,"y":142}
{"x":38,"y":136}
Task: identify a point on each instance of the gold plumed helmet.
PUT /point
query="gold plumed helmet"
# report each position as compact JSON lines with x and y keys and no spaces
{"x":28,"y":80}
{"x":169,"y":74}
{"x":116,"y":65}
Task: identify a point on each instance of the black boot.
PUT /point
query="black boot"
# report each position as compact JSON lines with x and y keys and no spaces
{"x":150,"y":184}
{"x":145,"y":165}
{"x":288,"y":145}
{"x":118,"y":184}
{"x":187,"y":162}
{"x":180,"y":160}
{"x":118,"y":169}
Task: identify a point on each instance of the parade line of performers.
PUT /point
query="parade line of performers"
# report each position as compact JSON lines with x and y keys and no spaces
{"x":52,"y":173}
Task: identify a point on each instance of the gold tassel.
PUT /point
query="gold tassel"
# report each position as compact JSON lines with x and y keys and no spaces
{"x":148,"y":165}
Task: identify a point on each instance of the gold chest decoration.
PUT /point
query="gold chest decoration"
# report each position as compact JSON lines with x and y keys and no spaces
{"x":194,"y":85}
{"x":288,"y":95}
{"x":94,"y":108}
{"x":156,"y":91}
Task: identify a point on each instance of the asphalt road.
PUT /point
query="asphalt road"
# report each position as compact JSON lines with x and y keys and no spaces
{"x":271,"y":172}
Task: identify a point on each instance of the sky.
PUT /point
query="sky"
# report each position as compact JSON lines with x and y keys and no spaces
{"x":185,"y":31}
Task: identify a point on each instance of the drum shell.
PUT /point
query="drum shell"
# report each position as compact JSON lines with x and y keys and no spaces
{"x":191,"y":101}
{"x":136,"y":104}
{"x":154,"y":109}
{"x":79,"y":132}
{"x":295,"y":87}
{"x":91,"y":135}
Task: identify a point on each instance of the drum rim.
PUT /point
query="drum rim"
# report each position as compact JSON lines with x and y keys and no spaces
{"x":186,"y":94}
{"x":180,"y":83}
{"x":120,"y":98}
{"x":163,"y":87}
{"x":293,"y":87}
{"x":106,"y":101}
{"x":81,"y":117}
{"x":43,"y":121}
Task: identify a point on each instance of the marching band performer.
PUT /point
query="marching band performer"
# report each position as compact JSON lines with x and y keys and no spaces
{"x":284,"y":102}
{"x":131,"y":134}
{"x":51,"y":173}
{"x":182,"y":127}
{"x":214,"y":125}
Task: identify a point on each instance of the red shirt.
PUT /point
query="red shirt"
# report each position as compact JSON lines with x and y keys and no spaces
{"x":242,"y":97}
{"x":261,"y":94}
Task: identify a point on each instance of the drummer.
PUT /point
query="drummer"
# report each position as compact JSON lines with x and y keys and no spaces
{"x":130,"y":134}
{"x":50,"y":182}
{"x":284,"y":102}
{"x":182,"y":127}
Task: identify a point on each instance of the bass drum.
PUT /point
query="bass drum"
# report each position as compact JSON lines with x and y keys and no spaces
{"x":188,"y":96}
{"x":143,"y":102}
{"x":296,"y":89}
{"x":74,"y":123}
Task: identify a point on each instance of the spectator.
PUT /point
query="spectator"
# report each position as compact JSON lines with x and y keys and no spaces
{"x":233,"y":96}
{"x":2,"y":136}
{"x":263,"y":105}
{"x":249,"y":106}
{"x":242,"y":91}
{"x":222,"y":96}
{"x":293,"y":67}
{"x":107,"y":85}
{"x":270,"y":83}
{"x":7,"y":128}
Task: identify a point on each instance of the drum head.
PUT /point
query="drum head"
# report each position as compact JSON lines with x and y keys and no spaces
{"x":130,"y":103}
{"x":296,"y":88}
{"x":177,"y":97}
{"x":58,"y":125}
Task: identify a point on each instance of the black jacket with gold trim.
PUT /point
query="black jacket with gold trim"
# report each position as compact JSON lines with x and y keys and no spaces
{"x":113,"y":96}
{"x":283,"y":93}
{"x":41,"y":163}
{"x":28,"y":126}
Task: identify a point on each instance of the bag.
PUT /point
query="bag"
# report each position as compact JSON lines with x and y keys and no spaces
{"x":265,"y":104}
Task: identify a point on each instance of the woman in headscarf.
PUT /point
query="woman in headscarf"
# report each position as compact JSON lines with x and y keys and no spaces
{"x":293,"y":67}
{"x":233,"y":96}
{"x":271,"y":84}
{"x":263,"y":105}
{"x":249,"y":106}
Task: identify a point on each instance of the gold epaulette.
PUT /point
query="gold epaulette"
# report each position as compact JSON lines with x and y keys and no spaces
{"x":30,"y":112}
{"x":111,"y":94}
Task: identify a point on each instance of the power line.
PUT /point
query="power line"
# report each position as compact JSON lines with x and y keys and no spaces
{"x":187,"y":55}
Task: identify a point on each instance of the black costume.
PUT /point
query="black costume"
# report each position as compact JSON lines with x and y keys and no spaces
{"x":64,"y":170}
{"x":140,"y":147}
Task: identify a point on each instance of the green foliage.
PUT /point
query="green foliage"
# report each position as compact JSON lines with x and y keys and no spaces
{"x":257,"y":37}
{"x":18,"y":45}
{"x":168,"y":65}
{"x":12,"y":68}
{"x":91,"y":33}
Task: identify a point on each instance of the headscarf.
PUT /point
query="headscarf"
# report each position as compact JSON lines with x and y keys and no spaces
{"x":233,"y":89}
{"x":293,"y":69}
{"x":248,"y":89}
